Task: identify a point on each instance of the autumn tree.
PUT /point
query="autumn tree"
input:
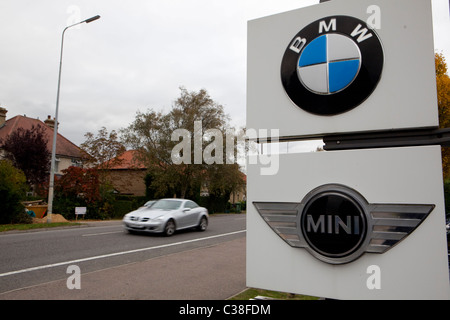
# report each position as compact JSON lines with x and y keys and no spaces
{"x":443,"y":96}
{"x":79,"y":183}
{"x":443,"y":91}
{"x":194,"y":114}
{"x":27,"y":150}
{"x":77,"y":187}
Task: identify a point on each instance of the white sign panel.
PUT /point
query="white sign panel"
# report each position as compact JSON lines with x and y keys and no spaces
{"x":343,"y":66}
{"x":363,"y":224}
{"x":80,"y":210}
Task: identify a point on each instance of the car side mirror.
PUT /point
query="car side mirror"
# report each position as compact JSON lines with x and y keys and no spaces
{"x":186,"y":209}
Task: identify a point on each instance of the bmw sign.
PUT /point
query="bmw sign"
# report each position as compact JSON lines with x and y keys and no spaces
{"x":338,"y":67}
{"x":332,"y":65}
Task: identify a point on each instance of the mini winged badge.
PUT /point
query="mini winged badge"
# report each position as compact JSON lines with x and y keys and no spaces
{"x":337,"y":225}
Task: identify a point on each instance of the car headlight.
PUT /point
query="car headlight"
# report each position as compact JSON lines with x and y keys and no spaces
{"x":159,"y":218}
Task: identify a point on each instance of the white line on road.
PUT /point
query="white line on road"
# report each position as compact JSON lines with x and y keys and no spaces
{"x":116,"y":254}
{"x":100,"y":234}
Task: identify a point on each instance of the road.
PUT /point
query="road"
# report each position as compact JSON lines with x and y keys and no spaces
{"x":116,"y":265}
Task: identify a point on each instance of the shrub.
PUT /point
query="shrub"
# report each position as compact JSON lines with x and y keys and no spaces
{"x":22,"y":218}
{"x":12,"y":190}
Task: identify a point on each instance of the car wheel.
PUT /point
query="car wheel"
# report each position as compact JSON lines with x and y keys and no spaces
{"x":203,"y":224}
{"x":169,"y":229}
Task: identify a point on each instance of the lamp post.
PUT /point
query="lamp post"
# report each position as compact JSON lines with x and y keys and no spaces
{"x":55,"y":129}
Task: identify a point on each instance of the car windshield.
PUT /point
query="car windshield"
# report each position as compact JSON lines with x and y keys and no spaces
{"x":148,"y":204}
{"x":167,"y":205}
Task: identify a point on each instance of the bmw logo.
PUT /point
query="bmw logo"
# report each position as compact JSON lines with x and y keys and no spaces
{"x":332,"y":65}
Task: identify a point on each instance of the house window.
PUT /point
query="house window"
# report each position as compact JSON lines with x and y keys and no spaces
{"x":77,"y":163}
{"x":57,"y":160}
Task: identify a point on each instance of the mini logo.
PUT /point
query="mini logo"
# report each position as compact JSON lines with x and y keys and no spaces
{"x":333,"y":224}
{"x":332,"y":65}
{"x":337,"y":225}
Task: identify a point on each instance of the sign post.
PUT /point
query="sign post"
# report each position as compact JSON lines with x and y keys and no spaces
{"x":347,"y":224}
{"x":80,"y":211}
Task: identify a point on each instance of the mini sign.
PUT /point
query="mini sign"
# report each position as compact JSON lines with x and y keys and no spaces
{"x":326,"y":218}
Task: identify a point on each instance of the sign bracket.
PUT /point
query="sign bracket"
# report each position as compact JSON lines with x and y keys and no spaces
{"x":388,"y":139}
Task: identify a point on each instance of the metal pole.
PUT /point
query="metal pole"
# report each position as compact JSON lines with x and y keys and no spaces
{"x":55,"y":128}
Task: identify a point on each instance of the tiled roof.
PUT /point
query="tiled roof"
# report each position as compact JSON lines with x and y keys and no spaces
{"x":128,"y":160}
{"x":63,"y":146}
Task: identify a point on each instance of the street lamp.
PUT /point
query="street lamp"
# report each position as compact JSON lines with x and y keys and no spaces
{"x":55,"y":129}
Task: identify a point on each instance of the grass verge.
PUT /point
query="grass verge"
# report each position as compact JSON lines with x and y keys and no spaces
{"x":9,"y":227}
{"x":251,"y":293}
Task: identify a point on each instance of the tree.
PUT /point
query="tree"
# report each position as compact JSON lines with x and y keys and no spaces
{"x":102,"y":154}
{"x":103,"y":149}
{"x":78,"y":182}
{"x":77,"y":187}
{"x":199,"y":121}
{"x":443,"y":91}
{"x":27,"y":150}
{"x":443,"y":96}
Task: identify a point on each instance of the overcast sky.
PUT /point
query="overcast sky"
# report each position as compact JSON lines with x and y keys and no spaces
{"x":135,"y":57}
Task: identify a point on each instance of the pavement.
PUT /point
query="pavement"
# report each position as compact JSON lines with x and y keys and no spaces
{"x":209,"y":273}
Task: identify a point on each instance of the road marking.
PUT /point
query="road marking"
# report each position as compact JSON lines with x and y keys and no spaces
{"x":116,"y":254}
{"x":100,"y":234}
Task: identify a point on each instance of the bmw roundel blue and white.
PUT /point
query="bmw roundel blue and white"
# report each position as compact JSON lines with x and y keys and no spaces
{"x":332,"y":65}
{"x":329,"y":64}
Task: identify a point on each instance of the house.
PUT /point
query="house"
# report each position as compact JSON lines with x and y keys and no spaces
{"x":127,"y":174}
{"x":67,"y":153}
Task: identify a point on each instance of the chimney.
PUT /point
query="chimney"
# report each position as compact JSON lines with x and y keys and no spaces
{"x":50,"y":122}
{"x":3,"y":113}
